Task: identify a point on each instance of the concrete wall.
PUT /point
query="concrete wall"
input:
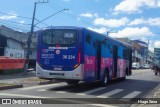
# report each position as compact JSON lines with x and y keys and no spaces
{"x":14,"y":53}
{"x":11,"y":43}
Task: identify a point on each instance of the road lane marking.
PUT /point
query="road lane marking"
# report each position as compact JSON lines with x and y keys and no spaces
{"x":91,"y":91}
{"x":106,"y":95}
{"x":42,"y":90}
{"x":21,"y":95}
{"x":40,"y":86}
{"x":61,"y":92}
{"x":132,"y":95}
{"x":102,"y":105}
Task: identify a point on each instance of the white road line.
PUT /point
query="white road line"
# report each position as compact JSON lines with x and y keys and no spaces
{"x":132,"y":95}
{"x":21,"y":95}
{"x":39,"y":86}
{"x":106,"y":95}
{"x":91,"y":91}
{"x":61,"y":92}
{"x":42,"y":90}
{"x":102,"y":105}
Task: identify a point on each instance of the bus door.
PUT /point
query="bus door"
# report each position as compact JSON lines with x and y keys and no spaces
{"x":115,"y":59}
{"x":130,"y":61}
{"x":98,"y":56}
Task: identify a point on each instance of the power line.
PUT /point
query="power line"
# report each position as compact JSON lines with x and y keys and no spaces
{"x":69,"y":15}
{"x":41,"y":22}
{"x":15,"y":22}
{"x":16,"y":15}
{"x":51,"y":16}
{"x":23,"y":17}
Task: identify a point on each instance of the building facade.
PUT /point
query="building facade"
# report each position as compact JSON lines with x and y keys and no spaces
{"x":140,"y":52}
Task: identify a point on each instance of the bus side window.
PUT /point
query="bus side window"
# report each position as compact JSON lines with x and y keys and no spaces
{"x":111,"y":49}
{"x":126,"y":53}
{"x":104,"y":42}
{"x":88,"y":38}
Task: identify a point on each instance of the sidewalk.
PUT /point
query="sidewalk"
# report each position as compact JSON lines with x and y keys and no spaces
{"x":26,"y":80}
{"x":12,"y":78}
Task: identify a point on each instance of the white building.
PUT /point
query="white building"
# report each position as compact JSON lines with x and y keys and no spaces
{"x":12,"y":43}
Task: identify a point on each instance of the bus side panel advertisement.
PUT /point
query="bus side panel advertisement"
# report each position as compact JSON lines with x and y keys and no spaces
{"x":89,"y":67}
{"x":121,"y":68}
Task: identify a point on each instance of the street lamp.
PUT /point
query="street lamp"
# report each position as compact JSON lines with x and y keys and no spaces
{"x":51,"y":16}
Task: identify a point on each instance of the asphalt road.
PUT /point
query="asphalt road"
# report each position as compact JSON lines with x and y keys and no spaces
{"x":139,"y":85}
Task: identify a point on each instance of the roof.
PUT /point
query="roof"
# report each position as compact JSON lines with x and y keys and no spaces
{"x":75,"y":27}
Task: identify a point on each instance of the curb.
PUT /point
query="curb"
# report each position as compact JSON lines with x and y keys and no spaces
{"x":11,"y":87}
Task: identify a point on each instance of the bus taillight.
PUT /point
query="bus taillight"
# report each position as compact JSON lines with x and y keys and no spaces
{"x":79,"y":60}
{"x":76,"y":66}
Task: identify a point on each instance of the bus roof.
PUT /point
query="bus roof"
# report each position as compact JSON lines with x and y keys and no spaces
{"x":62,"y":27}
{"x":80,"y":28}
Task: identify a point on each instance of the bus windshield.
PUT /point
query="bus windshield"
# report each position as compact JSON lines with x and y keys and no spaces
{"x":59,"y":37}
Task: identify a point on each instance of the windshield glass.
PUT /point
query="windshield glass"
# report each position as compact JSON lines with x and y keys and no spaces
{"x":59,"y":37}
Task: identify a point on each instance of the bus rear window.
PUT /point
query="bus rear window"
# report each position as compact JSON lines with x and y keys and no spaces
{"x":60,"y":37}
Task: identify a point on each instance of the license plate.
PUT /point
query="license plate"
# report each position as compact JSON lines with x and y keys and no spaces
{"x":57,"y":69}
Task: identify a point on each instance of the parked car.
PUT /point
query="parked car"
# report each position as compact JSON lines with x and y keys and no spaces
{"x":146,"y":66}
{"x":135,"y":65}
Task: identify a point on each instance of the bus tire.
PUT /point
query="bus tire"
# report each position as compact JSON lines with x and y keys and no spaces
{"x":105,"y":80}
{"x":124,"y":78}
{"x":74,"y":82}
{"x":155,"y":72}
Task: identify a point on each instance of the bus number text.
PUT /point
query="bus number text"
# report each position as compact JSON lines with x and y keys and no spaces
{"x":69,"y":57}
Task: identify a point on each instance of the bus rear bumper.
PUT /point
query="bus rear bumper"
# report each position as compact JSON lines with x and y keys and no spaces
{"x":76,"y":74}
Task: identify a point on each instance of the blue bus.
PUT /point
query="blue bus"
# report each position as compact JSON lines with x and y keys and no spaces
{"x":76,"y":54}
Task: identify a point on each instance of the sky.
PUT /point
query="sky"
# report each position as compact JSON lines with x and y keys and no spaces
{"x":134,"y":19}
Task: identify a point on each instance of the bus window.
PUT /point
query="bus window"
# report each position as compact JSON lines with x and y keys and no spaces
{"x":60,"y":37}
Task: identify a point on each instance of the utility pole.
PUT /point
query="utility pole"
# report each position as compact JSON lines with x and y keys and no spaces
{"x":30,"y":37}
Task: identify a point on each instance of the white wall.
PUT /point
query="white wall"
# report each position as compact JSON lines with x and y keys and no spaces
{"x":14,"y":44}
{"x":14,"y":53}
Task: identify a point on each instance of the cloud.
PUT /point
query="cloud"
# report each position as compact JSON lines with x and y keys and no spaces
{"x":111,"y":22}
{"x":134,"y":6}
{"x":132,"y":32}
{"x":137,"y":22}
{"x":89,"y":15}
{"x":66,"y":0}
{"x":157,"y":44}
{"x":158,"y":4}
{"x":150,"y":45}
{"x":150,"y":21}
{"x":78,"y":18}
{"x":9,"y":16}
{"x":22,"y":21}
{"x":102,"y":30}
{"x":153,"y":44}
{"x":154,"y":22}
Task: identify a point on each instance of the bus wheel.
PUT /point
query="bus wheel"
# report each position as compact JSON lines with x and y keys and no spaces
{"x":104,"y":82}
{"x":155,"y":72}
{"x":72,"y":82}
